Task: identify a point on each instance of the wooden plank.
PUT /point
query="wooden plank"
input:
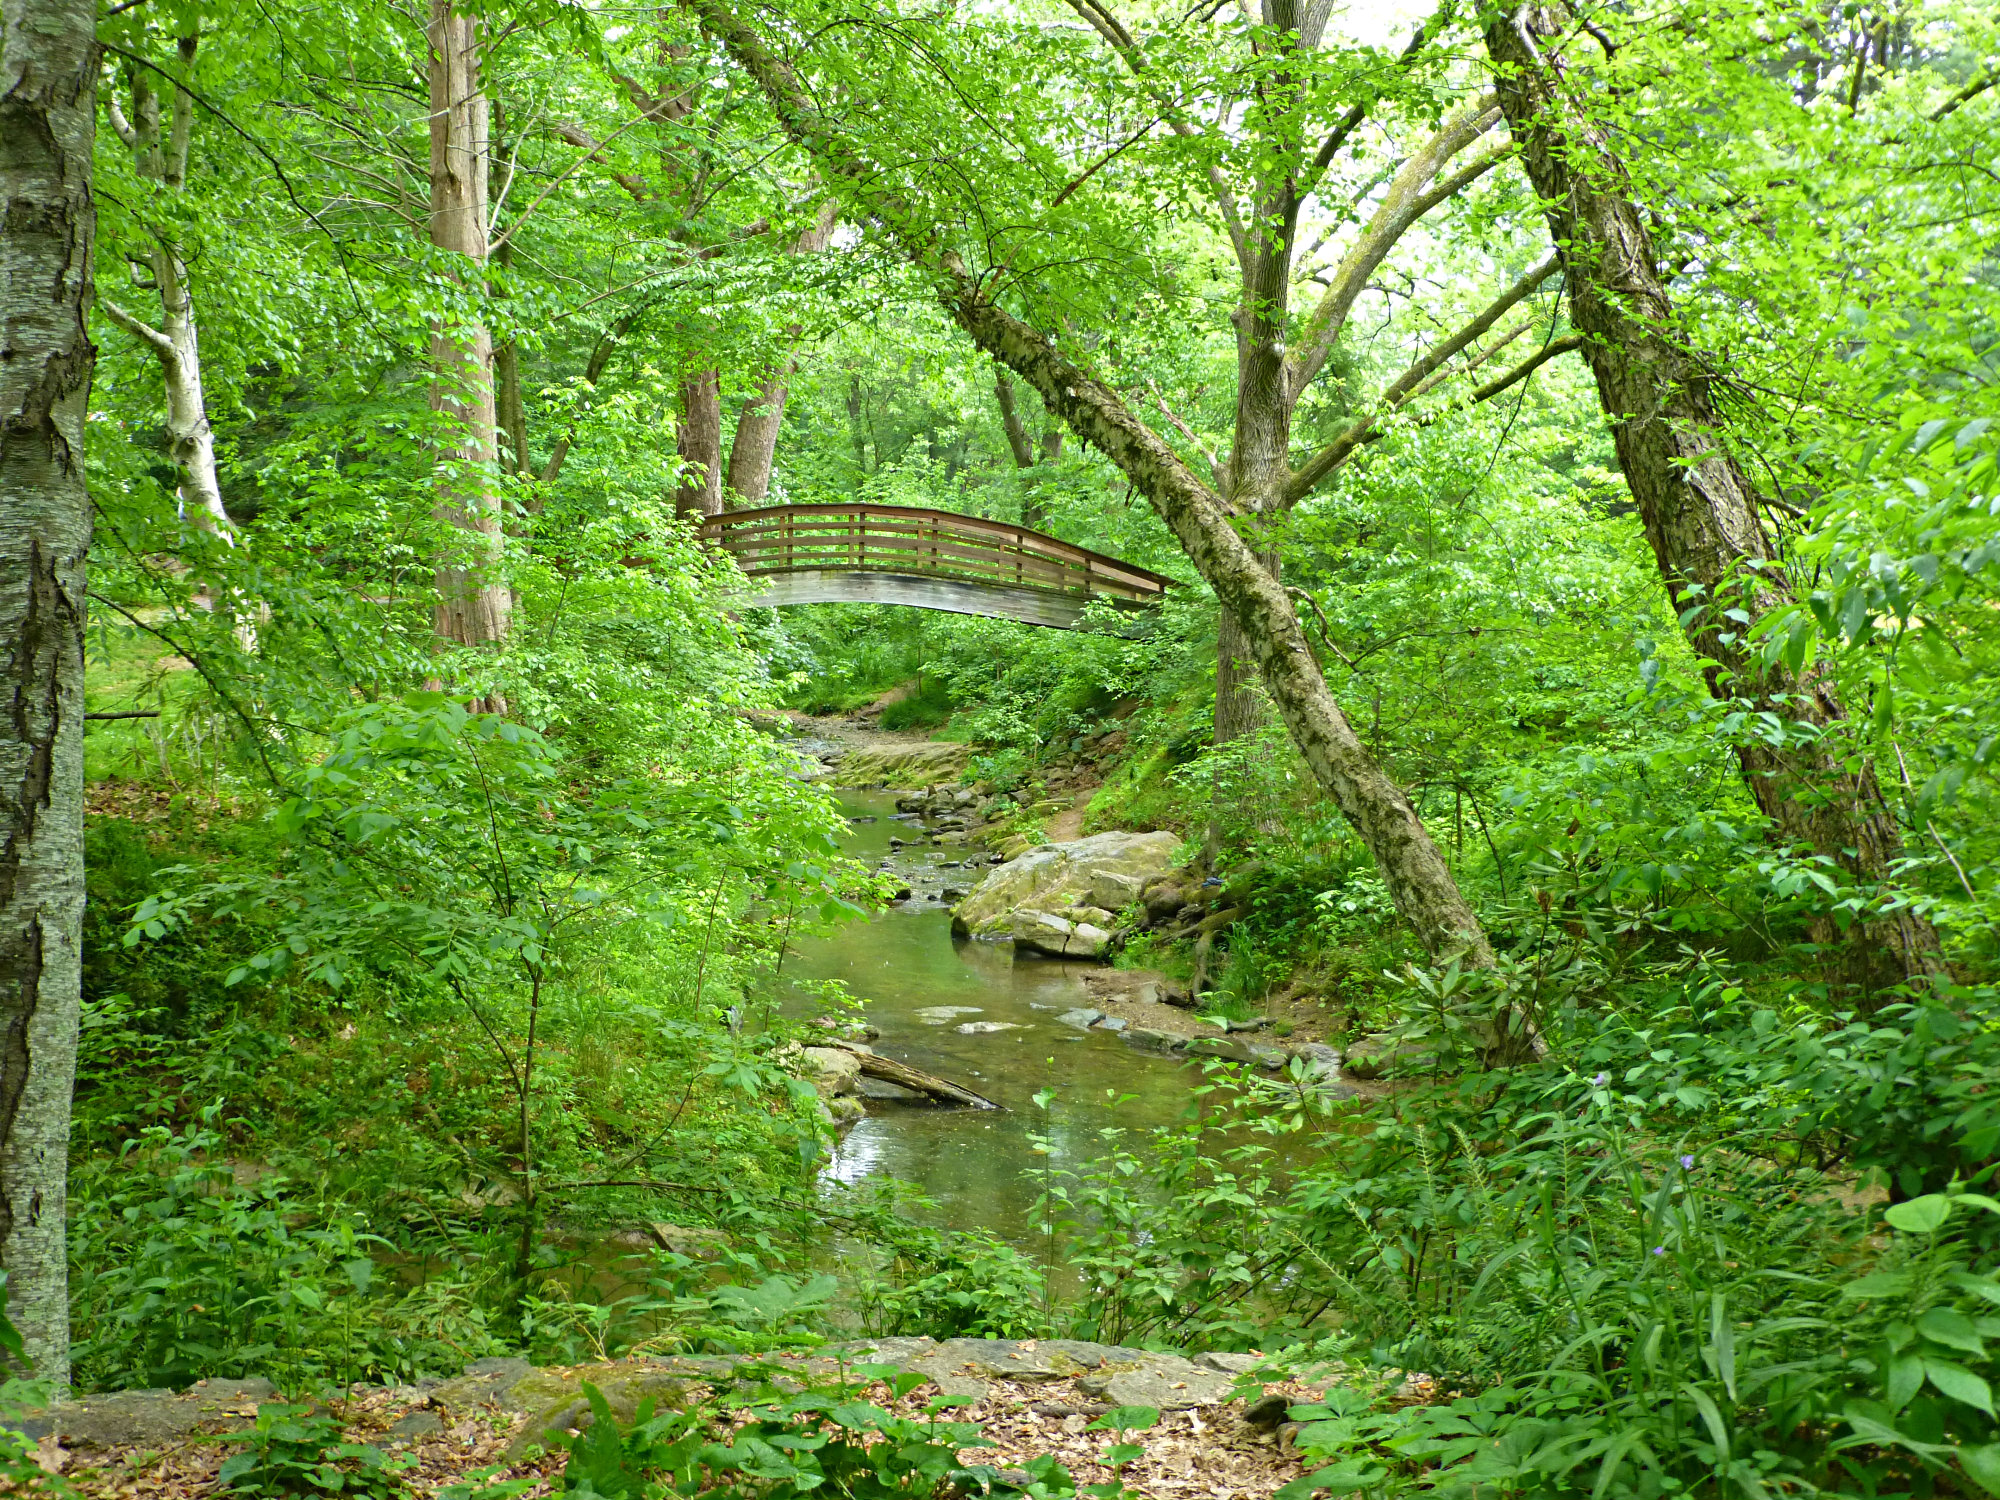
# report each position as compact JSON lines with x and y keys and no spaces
{"x":967,"y":573}
{"x":911,"y":555}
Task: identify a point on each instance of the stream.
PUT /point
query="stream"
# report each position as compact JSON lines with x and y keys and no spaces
{"x":977,"y":1165}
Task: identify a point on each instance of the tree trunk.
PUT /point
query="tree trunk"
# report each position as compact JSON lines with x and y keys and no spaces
{"x":699,"y":443}
{"x":593,"y":371}
{"x":1413,"y":867}
{"x":1034,"y":507}
{"x":1699,"y":508}
{"x":510,"y":408}
{"x":511,"y":411}
{"x":755,"y":447}
{"x":857,"y":431}
{"x":474,"y":602}
{"x":48,"y":57}
{"x":176,"y":343}
{"x":1238,"y":710}
{"x":1010,"y":420}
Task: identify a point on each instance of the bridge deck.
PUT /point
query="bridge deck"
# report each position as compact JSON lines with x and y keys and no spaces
{"x":929,"y":559}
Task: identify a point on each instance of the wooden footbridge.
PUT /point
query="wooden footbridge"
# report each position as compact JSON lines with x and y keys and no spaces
{"x":928,"y":559}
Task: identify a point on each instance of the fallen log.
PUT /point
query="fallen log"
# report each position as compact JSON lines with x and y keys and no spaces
{"x":916,"y":1080}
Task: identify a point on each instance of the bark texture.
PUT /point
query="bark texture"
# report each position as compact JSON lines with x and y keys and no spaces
{"x":48,"y":65}
{"x":1200,"y":519}
{"x":1018,"y":441}
{"x":1238,"y":710}
{"x":755,"y":447}
{"x":699,"y":444}
{"x":474,"y":602}
{"x":1699,"y":508}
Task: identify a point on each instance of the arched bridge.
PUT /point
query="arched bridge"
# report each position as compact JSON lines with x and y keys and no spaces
{"x":929,"y":559}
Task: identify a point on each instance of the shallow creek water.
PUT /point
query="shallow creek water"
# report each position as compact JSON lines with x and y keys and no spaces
{"x":977,"y":1164}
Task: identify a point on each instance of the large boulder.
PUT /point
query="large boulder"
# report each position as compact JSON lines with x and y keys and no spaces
{"x":1056,"y":876}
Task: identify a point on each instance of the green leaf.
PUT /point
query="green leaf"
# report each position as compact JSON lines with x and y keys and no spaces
{"x":1920,"y":1215}
{"x":1877,"y":1284}
{"x":1944,"y":1326}
{"x":1960,"y":1384}
{"x":1982,"y":1466}
{"x":1126,"y":1419}
{"x":1711,"y":1416}
{"x":1906,"y":1378}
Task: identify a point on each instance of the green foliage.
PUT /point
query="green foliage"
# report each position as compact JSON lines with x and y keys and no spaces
{"x":183,"y":1272}
{"x":927,"y":708}
{"x":765,"y":1440}
{"x":1699,"y":1366}
{"x":298,"y":1450}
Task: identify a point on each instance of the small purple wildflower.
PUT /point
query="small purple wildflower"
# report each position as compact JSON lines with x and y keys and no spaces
{"x":1687,"y":1163}
{"x":1659,"y":1249}
{"x":1600,"y":1080}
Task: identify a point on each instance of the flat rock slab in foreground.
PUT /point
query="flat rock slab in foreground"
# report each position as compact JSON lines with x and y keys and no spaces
{"x":151,"y":1418}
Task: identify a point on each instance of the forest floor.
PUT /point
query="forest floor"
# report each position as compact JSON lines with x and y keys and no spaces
{"x":438,"y":1434}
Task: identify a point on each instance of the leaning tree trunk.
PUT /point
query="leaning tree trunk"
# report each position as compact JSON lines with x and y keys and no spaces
{"x":1699,"y":508}
{"x":474,"y":602}
{"x":48,"y":59}
{"x":699,"y":444}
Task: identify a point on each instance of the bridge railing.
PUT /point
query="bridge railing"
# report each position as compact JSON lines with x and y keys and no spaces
{"x":933,"y":543}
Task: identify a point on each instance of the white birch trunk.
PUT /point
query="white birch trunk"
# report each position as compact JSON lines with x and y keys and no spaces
{"x":474,"y":602}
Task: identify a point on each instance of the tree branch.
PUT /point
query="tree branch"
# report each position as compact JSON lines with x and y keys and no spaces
{"x":1214,"y":463}
{"x":1352,"y":120}
{"x":576,"y":135}
{"x":1121,"y":41}
{"x":145,"y":332}
{"x":1981,"y":82}
{"x":1403,"y":204}
{"x":1523,"y":288}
